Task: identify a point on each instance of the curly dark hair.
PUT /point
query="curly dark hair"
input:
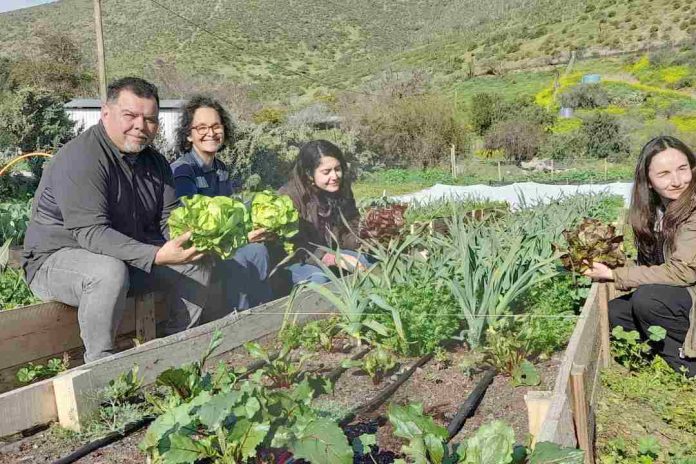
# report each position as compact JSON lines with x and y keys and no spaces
{"x":186,"y":120}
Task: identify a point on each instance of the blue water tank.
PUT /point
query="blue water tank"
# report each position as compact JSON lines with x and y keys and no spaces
{"x":566,"y":113}
{"x":591,"y":79}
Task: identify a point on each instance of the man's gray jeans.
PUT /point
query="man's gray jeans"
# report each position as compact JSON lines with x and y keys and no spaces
{"x":98,"y":286}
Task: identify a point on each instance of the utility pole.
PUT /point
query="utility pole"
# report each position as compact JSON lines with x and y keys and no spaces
{"x":101,"y":62}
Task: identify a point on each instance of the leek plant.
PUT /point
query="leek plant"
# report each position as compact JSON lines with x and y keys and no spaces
{"x":490,"y":270}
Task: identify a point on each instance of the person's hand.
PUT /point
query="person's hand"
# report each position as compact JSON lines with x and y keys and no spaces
{"x":599,"y":271}
{"x":261,"y":235}
{"x":329,"y":259}
{"x":349,"y":263}
{"x":173,"y":252}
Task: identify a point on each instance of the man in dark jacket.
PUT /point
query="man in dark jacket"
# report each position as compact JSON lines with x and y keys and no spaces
{"x":99,"y":224}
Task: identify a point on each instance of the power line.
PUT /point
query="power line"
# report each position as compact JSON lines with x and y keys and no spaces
{"x":238,"y":48}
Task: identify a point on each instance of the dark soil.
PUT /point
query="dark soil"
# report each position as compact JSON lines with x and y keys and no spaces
{"x":440,"y":388}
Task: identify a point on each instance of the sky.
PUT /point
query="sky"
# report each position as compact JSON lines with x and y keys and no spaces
{"x":9,"y":5}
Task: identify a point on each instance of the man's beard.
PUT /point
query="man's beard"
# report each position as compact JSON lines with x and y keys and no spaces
{"x":134,"y":147}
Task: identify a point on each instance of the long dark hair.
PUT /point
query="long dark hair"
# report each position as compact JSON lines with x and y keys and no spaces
{"x":186,"y":121}
{"x":307,"y":162}
{"x":645,"y":202}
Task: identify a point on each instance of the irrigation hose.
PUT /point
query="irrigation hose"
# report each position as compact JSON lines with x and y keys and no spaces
{"x":385,"y":393}
{"x":106,"y":440}
{"x":337,"y":372}
{"x":20,"y":158}
{"x":468,"y":407}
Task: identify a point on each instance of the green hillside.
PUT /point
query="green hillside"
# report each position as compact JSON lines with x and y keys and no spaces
{"x":287,"y":47}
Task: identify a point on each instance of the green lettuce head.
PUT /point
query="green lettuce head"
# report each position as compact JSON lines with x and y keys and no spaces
{"x":217,"y":224}
{"x":275,"y":213}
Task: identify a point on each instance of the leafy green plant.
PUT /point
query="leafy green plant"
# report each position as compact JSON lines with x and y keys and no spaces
{"x":124,"y":387}
{"x":283,"y":371}
{"x":35,"y":372}
{"x":507,"y":351}
{"x":377,"y":363}
{"x":187,"y":381}
{"x":628,"y":348}
{"x":312,"y":336}
{"x":229,"y":426}
{"x":14,"y":218}
{"x":217,"y":224}
{"x":277,"y":214}
{"x":426,"y":440}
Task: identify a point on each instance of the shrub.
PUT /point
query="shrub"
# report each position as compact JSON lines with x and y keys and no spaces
{"x":269,"y":115}
{"x":605,"y":137}
{"x":415,"y":131}
{"x":483,"y":111}
{"x":519,"y":138}
{"x":33,"y":120}
{"x":564,"y":145}
{"x":588,"y":96}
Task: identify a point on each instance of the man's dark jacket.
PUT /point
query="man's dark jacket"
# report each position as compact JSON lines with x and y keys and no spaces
{"x":94,"y":197}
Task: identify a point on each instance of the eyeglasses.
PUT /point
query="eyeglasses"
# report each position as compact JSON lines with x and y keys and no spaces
{"x":203,"y":129}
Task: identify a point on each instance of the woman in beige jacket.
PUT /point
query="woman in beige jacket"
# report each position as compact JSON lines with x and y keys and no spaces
{"x":663,"y":218}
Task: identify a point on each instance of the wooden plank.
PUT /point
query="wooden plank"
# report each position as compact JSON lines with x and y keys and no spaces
{"x":603,"y":303}
{"x":581,"y":412}
{"x":75,"y":398}
{"x":558,"y":426}
{"x":145,"y":318}
{"x":538,"y":403}
{"x":30,"y":333}
{"x":35,"y":404}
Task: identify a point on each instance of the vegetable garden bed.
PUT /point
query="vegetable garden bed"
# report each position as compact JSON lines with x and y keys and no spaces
{"x":420,"y":331}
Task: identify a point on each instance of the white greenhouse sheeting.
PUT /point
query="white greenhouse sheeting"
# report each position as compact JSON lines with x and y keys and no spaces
{"x":531,"y":192}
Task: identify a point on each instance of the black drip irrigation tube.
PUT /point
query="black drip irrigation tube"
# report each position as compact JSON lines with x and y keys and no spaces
{"x":106,"y":440}
{"x":385,"y":393}
{"x":337,"y":372}
{"x":468,"y":407}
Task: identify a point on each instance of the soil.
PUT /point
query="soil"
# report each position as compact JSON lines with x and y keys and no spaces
{"x":441,"y":389}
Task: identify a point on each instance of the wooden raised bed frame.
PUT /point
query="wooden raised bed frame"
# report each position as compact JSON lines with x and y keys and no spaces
{"x":564,"y":415}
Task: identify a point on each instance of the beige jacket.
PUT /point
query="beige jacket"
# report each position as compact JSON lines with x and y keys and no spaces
{"x":679,"y":270}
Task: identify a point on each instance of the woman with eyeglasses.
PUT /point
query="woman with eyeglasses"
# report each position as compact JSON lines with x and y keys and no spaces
{"x":204,"y":129}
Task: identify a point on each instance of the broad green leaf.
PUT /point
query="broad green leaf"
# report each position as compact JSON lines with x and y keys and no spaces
{"x":214,"y":412}
{"x":491,"y":444}
{"x":246,"y":435}
{"x":551,"y":453}
{"x":322,"y":441}
{"x":657,"y":333}
{"x":182,"y":450}
{"x":175,"y":419}
{"x":525,"y":374}
{"x":377,"y":327}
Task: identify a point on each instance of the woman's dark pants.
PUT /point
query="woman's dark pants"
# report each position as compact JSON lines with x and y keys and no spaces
{"x":662,"y":305}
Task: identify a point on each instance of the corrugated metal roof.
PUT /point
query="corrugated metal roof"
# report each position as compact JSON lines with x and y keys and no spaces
{"x":96,"y":103}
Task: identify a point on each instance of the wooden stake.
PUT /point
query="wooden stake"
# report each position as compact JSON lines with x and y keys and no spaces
{"x":581,"y":412}
{"x":500,"y":173}
{"x":453,"y":160}
{"x":101,"y":61}
{"x":603,"y":302}
{"x":145,"y":318}
{"x":606,"y":169}
{"x":538,"y":403}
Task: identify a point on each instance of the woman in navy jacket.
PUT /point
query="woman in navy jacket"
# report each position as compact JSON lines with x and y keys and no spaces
{"x":204,"y":128}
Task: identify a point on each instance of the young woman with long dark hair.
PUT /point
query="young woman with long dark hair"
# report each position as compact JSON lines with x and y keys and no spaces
{"x":320,"y":189}
{"x":663,"y":217}
{"x":204,"y":129}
